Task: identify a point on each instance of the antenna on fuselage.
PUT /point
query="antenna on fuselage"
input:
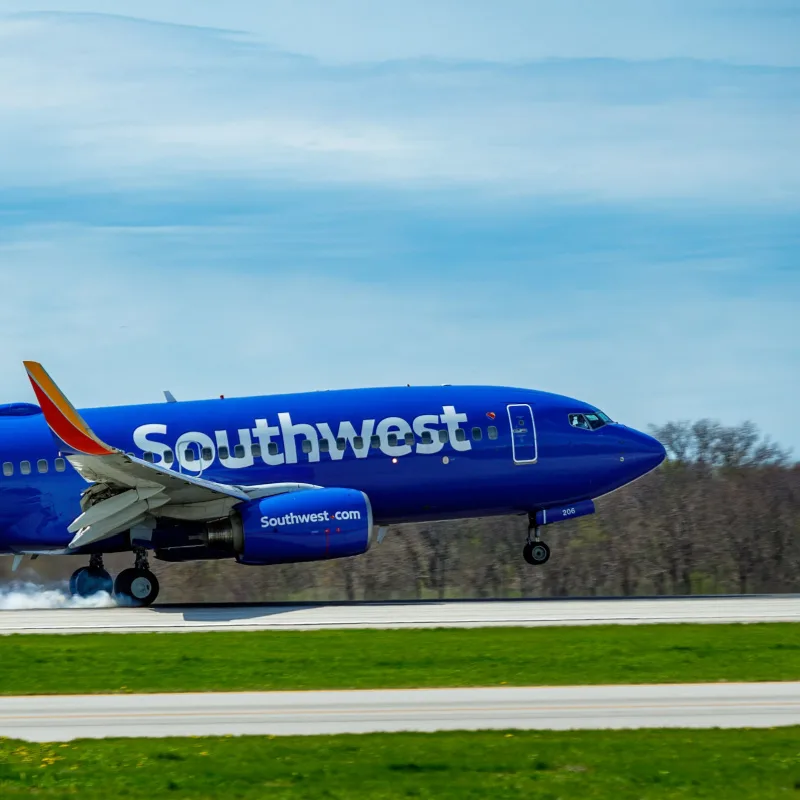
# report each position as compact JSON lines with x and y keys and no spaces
{"x":170,"y":397}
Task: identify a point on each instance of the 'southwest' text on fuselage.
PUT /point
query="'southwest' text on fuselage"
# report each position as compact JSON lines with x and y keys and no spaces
{"x":289,"y":442}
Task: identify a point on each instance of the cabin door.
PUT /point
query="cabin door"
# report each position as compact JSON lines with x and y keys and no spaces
{"x":523,"y":434}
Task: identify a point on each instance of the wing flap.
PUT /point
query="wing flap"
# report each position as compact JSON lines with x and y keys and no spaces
{"x":113,"y":505}
{"x":117,"y":522}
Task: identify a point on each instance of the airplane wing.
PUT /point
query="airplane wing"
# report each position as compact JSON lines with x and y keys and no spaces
{"x":127,"y":489}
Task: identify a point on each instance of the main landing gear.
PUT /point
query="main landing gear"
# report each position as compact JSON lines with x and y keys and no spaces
{"x":137,"y":586}
{"x":535,"y":552}
{"x":90,"y":580}
{"x":133,"y":587}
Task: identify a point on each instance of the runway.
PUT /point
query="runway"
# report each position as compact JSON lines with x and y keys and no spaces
{"x":304,"y":713}
{"x":459,"y":614}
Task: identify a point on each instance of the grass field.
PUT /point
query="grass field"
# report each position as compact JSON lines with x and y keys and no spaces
{"x":583,"y":765}
{"x":364,"y":659}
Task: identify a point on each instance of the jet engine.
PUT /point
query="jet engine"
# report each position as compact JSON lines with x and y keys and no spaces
{"x":310,"y":525}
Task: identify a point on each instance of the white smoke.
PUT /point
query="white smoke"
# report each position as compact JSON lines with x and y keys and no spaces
{"x":20,"y":595}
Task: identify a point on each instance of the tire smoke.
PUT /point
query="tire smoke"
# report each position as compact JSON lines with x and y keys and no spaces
{"x":21,"y":595}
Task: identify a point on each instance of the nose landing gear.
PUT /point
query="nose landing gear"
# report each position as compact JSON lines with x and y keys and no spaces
{"x":535,"y":552}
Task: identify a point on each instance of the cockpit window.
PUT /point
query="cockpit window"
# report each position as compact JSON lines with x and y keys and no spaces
{"x":589,"y":421}
{"x":579,"y":421}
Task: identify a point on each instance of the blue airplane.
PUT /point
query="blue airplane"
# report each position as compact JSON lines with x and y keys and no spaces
{"x":288,"y":478}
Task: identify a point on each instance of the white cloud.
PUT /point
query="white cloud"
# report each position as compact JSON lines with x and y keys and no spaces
{"x":127,"y":103}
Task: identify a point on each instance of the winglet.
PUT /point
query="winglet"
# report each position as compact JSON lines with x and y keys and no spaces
{"x":67,"y":425}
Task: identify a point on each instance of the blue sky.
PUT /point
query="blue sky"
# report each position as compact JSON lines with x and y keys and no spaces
{"x":272,"y":196}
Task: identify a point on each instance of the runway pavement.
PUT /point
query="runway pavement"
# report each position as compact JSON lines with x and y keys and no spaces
{"x":624,"y":611}
{"x":685,"y":705}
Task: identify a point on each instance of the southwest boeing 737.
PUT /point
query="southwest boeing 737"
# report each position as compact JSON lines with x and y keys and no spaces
{"x":301,"y":477}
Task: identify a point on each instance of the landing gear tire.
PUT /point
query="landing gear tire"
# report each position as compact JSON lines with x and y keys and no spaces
{"x":87,"y":581}
{"x":136,"y":587}
{"x":536,"y":553}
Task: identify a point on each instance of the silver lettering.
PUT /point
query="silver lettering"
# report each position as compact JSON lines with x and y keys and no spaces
{"x":289,"y":431}
{"x":233,"y":461}
{"x":348,"y":432}
{"x":453,"y":421}
{"x":265,"y":434}
{"x":424,"y":428}
{"x":399,"y":427}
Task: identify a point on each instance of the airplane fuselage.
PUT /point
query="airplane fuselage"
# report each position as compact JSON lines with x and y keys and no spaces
{"x":422,"y":453}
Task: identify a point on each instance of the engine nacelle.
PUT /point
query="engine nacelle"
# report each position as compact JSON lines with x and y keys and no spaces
{"x":311,"y":525}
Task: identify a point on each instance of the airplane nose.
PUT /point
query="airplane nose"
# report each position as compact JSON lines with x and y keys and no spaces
{"x":647,"y":451}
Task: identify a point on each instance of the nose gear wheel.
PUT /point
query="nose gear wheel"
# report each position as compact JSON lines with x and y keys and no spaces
{"x":536,"y":553}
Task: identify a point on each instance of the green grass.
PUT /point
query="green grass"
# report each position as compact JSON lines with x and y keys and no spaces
{"x":580,"y":765}
{"x":366,"y":659}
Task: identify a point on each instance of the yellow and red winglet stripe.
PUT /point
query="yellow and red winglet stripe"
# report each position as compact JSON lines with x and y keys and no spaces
{"x":64,"y":421}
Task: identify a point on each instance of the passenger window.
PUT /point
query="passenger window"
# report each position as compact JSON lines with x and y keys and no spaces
{"x":460,"y":435}
{"x":238,"y":451}
{"x":8,"y":469}
{"x":149,"y":458}
{"x":61,"y":465}
{"x":256,"y":450}
{"x":427,"y":437}
{"x":168,"y":457}
{"x":358,"y":443}
{"x":341,"y":443}
{"x":188,"y":454}
{"x":444,"y":436}
{"x":208,"y":455}
{"x":375,"y":442}
{"x":272,"y":449}
{"x":477,"y":434}
{"x":25,"y":467}
{"x":492,"y":431}
{"x":223,"y":452}
{"x":42,"y":465}
{"x":410,"y":438}
{"x":324,"y":446}
{"x":391,"y":440}
{"x":307,"y":447}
